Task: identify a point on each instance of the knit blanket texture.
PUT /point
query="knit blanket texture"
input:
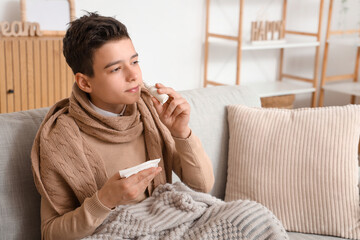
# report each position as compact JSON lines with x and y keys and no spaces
{"x":174,"y":211}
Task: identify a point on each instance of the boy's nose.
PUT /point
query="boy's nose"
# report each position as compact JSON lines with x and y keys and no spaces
{"x":131,"y":74}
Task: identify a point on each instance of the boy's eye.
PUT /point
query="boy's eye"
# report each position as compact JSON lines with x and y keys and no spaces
{"x":136,"y":62}
{"x":115,"y":69}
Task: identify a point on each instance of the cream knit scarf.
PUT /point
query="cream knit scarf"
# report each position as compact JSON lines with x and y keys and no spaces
{"x":65,"y":168}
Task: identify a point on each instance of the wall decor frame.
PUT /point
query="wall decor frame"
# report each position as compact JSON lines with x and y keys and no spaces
{"x":46,"y":8}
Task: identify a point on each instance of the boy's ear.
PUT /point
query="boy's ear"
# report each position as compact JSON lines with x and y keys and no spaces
{"x":83,"y":82}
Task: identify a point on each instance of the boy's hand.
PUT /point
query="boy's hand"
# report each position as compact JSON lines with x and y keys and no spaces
{"x":120,"y":191}
{"x":175,"y":113}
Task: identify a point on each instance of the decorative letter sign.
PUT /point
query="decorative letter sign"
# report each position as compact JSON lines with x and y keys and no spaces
{"x":266,"y":31}
{"x":20,"y":29}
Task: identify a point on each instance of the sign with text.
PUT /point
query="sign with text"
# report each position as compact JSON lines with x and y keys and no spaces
{"x":20,"y":29}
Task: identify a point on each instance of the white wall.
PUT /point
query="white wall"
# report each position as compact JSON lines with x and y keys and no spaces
{"x":9,"y":10}
{"x":169,"y":36}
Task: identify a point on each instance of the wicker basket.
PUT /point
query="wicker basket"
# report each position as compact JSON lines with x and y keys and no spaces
{"x":285,"y":101}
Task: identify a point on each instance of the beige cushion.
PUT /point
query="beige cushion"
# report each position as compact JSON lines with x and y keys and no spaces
{"x":301,"y":164}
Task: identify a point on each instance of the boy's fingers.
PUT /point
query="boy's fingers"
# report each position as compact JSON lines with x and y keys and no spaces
{"x":143,"y":175}
{"x":179,"y":110}
{"x":167,"y":90}
{"x":116,"y":176}
{"x":161,"y":108}
{"x":175,"y":104}
{"x":145,"y":181}
{"x":157,"y":105}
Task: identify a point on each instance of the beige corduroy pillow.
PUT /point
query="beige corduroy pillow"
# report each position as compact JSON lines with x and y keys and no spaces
{"x":301,"y":164}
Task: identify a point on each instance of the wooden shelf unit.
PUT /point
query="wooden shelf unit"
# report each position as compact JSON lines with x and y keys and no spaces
{"x":33,"y":73}
{"x":277,"y":88}
{"x":350,"y":88}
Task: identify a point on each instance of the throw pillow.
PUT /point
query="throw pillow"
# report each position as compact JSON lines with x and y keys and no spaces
{"x":301,"y":164}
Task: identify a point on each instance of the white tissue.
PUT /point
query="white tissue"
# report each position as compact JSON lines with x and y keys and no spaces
{"x":133,"y":170}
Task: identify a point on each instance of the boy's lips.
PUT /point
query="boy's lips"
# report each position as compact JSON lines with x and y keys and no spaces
{"x":132,"y":90}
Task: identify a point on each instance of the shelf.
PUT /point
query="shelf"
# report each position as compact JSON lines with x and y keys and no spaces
{"x":240,"y":43}
{"x":278,"y":88}
{"x":351,"y":88}
{"x":289,"y":43}
{"x":341,"y":38}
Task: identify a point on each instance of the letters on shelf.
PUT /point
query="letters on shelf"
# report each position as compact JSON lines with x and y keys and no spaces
{"x":20,"y":29}
{"x":266,"y":31}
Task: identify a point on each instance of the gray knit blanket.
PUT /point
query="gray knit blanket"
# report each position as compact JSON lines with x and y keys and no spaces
{"x":174,"y":211}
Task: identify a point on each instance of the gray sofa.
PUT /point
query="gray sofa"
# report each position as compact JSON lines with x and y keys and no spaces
{"x":19,"y":200}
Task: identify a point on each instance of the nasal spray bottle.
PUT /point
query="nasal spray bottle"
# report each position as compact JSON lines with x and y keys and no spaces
{"x":162,"y":98}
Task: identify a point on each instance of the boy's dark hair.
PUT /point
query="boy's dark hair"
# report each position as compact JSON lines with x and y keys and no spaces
{"x":87,"y":34}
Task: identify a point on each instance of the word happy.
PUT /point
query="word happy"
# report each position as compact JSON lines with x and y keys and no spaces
{"x":266,"y":30}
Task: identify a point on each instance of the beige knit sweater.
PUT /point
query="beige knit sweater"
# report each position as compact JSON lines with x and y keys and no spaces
{"x":68,"y":171}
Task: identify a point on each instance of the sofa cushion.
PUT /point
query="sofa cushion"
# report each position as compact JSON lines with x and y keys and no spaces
{"x":302,"y":236}
{"x":301,"y":164}
{"x":19,"y":199}
{"x":208,"y":121}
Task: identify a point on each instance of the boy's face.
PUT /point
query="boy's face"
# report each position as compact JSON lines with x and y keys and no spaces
{"x":117,"y":76}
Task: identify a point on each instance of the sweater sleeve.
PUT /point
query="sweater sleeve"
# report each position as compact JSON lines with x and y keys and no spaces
{"x":192,"y":164}
{"x":75,"y":224}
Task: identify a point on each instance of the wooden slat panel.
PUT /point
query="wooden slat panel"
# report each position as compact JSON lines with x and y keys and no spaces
{"x":50,"y":71}
{"x":16,"y":71}
{"x":63,"y":74}
{"x":37,"y":73}
{"x":9,"y":76}
{"x":3,"y":100}
{"x":30,"y":73}
{"x":44,"y":83}
{"x":23,"y":75}
{"x":57,"y":85}
{"x":35,"y":69}
{"x":70,"y":79}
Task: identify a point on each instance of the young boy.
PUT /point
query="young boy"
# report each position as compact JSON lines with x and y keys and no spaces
{"x":109,"y":123}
